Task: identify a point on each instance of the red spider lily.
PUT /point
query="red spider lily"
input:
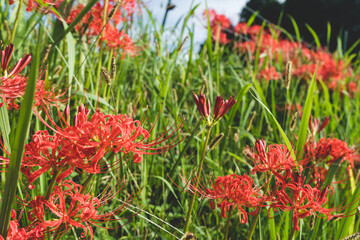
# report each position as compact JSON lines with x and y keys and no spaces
{"x":68,"y":207}
{"x":16,"y":233}
{"x":269,"y":73}
{"x":5,"y":56}
{"x":219,"y":24}
{"x":302,"y":199}
{"x":92,"y":24}
{"x":231,"y":190}
{"x":20,"y":65}
{"x":116,"y":39}
{"x":31,"y":3}
{"x":277,"y":159}
{"x":88,"y":141}
{"x":43,"y":153}
{"x":12,"y":89}
{"x":337,"y":149}
{"x":220,"y":109}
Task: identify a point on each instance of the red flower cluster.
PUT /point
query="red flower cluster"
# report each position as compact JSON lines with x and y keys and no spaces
{"x":68,"y":207}
{"x":228,"y":191}
{"x":332,"y":71}
{"x":12,"y":85}
{"x":83,"y":145}
{"x":92,"y":24}
{"x":39,"y":4}
{"x":276,"y":159}
{"x":219,"y":24}
{"x":300,"y":198}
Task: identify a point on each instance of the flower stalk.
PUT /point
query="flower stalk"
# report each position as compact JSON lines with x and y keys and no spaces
{"x":227,"y":226}
{"x":16,"y":21}
{"x":256,"y":218}
{"x":198,"y":175}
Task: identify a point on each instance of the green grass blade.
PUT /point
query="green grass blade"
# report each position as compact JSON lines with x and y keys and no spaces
{"x":315,"y":36}
{"x":5,"y":125}
{"x":305,"y":117}
{"x":329,"y":177}
{"x":347,"y":222}
{"x":296,"y":28}
{"x":272,"y":225}
{"x":252,"y":18}
{"x":17,"y":146}
{"x":282,"y":133}
{"x":328,"y":34}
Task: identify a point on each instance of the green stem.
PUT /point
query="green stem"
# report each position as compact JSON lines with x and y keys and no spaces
{"x":292,"y":234}
{"x":228,"y":224}
{"x":86,"y":183}
{"x":52,"y":183}
{"x":198,"y":175}
{"x":254,"y":223}
{"x":16,"y":21}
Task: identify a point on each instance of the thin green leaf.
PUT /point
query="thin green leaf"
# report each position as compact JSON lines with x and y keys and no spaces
{"x":282,"y":133}
{"x":315,"y":36}
{"x":17,"y":146}
{"x":78,"y":18}
{"x":305,"y":117}
{"x":296,"y":28}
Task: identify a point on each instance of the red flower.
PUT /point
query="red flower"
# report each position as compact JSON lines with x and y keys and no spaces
{"x":277,"y":159}
{"x":92,"y":24}
{"x":88,"y":140}
{"x":269,"y":73}
{"x":12,"y":89}
{"x":219,"y":24}
{"x":67,"y":207}
{"x":221,"y":106}
{"x":302,"y":199}
{"x":220,"y":109}
{"x":231,"y":190}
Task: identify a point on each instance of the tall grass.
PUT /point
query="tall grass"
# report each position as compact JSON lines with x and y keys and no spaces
{"x":155,"y":86}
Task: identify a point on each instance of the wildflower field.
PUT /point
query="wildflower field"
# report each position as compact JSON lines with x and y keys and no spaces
{"x":108,"y":131}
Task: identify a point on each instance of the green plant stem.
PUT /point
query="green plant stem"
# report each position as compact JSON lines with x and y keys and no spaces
{"x":198,"y":175}
{"x":227,"y":226}
{"x":52,"y":183}
{"x":86,"y":183}
{"x":292,"y":234}
{"x":16,"y":21}
{"x":253,"y":225}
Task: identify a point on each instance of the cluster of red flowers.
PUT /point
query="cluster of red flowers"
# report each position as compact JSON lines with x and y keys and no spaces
{"x":289,"y":192}
{"x":39,"y":4}
{"x":66,"y":207}
{"x":12,"y":84}
{"x":334,"y":72}
{"x":83,"y":145}
{"x":92,"y":23}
